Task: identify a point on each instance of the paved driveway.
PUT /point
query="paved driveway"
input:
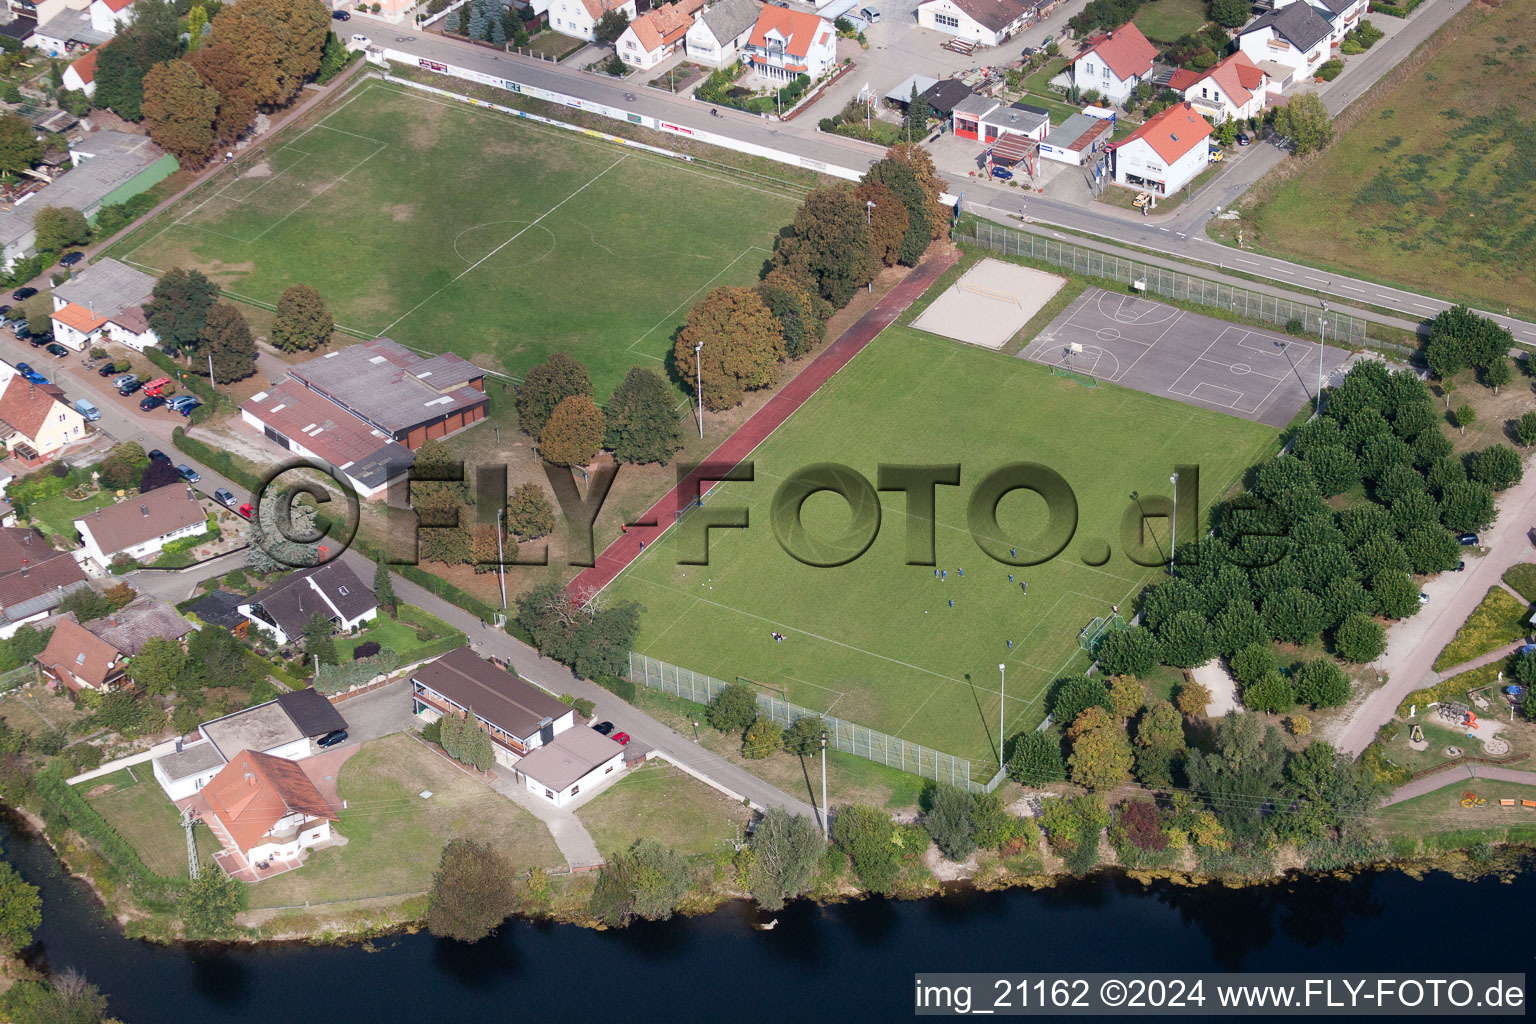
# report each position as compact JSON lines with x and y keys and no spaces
{"x":377,"y":713}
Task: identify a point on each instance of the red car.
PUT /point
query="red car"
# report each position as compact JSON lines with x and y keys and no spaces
{"x":621,"y":738}
{"x":154,"y":386}
{"x":246,"y":511}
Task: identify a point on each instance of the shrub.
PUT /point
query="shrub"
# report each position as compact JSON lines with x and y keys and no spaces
{"x":948,"y":821}
{"x":1322,"y":684}
{"x":867,"y":835}
{"x":763,"y":737}
{"x":1273,"y":693}
{"x":365,"y":650}
{"x":1295,"y":327}
{"x":1193,"y":698}
{"x":1330,"y":70}
{"x":616,"y":685}
{"x":733,"y":709}
{"x":648,"y":881}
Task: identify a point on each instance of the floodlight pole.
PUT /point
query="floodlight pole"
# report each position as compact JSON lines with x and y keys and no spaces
{"x":1322,"y":350}
{"x":212,"y":384}
{"x":501,"y":561}
{"x":1002,"y":672}
{"x":1173,"y":540}
{"x":698,"y":372}
{"x":869,"y":218}
{"x":826,"y":827}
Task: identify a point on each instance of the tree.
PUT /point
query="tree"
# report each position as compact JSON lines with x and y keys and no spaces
{"x":123,"y":466}
{"x":1322,"y":684}
{"x":178,"y":307}
{"x":473,"y":890}
{"x":1466,"y":507}
{"x":19,"y":148}
{"x":792,"y":305}
{"x":763,"y":737}
{"x":1088,"y":720}
{"x":916,"y":121}
{"x":197,"y":21}
{"x":1253,"y":663}
{"x":647,"y":881}
{"x":786,"y":853}
{"x":1186,"y":640}
{"x":1127,"y":696}
{"x":742,"y":346}
{"x":219,"y":66}
{"x":546,"y":386}
{"x":1295,"y":615}
{"x":1459,"y":338}
{"x":1193,"y":699}
{"x":59,"y":227}
{"x":916,"y":158}
{"x":157,"y":474}
{"x":1499,"y":466}
{"x":1229,"y":13}
{"x":1525,"y":429}
{"x":830,"y":242}
{"x":1272,"y":692}
{"x":867,"y":835}
{"x":609,"y":27}
{"x":158,"y":666}
{"x":573,"y":434}
{"x":21,"y":910}
{"x":1497,"y":374}
{"x":211,"y":901}
{"x":1101,"y":758}
{"x":530,"y":514}
{"x":1036,"y":759}
{"x":317,"y":639}
{"x":1074,"y":694}
{"x":803,"y":737}
{"x":302,"y":323}
{"x":1359,"y":639}
{"x":1305,"y":121}
{"x":641,"y":419}
{"x":120,"y":78}
{"x":1159,"y":740}
{"x":733,"y":709}
{"x":1134,"y":651}
{"x":179,"y":109}
{"x":227,"y":338}
{"x":948,"y":821}
{"x":278,"y":44}
{"x":1430,"y":549}
{"x":1240,"y":777}
{"x":888,"y":220}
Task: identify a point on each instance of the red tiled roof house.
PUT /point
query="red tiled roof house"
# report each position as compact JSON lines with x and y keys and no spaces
{"x":1166,"y":153}
{"x":266,"y":807}
{"x":1234,"y":89}
{"x":785,"y":44}
{"x":656,"y":34}
{"x":1114,"y":63}
{"x":79,"y":660}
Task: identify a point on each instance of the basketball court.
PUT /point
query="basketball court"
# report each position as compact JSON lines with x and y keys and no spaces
{"x":989,"y":304}
{"x":1125,"y":339}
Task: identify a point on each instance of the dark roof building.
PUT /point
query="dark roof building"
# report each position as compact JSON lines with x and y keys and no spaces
{"x":33,"y":576}
{"x":136,"y":623}
{"x":220,"y":608}
{"x":517,"y":714}
{"x":311,"y":712}
{"x":943,"y":96}
{"x":332,"y":590}
{"x":1298,"y":24}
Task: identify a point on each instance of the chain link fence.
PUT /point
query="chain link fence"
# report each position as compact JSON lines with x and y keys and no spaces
{"x":891,"y":751}
{"x":1172,"y":284}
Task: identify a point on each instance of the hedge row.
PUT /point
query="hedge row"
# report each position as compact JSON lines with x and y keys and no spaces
{"x":63,"y":804}
{"x":216,"y":459}
{"x":212,"y":400}
{"x":617,"y":686}
{"x":1396,"y":10}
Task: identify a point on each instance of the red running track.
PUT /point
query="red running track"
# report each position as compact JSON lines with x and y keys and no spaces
{"x":734,"y":449}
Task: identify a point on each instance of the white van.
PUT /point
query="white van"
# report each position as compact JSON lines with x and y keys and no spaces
{"x":870,"y":14}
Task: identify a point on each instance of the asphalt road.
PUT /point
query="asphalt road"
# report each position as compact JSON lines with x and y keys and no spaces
{"x":1179,"y":234}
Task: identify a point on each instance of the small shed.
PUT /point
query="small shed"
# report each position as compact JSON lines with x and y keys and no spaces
{"x":942,"y":97}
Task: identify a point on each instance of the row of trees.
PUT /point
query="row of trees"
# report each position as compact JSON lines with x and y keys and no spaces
{"x":593,"y":638}
{"x":555,"y":404}
{"x":454,"y":531}
{"x":256,"y":56}
{"x":184,"y":312}
{"x":734,"y":710}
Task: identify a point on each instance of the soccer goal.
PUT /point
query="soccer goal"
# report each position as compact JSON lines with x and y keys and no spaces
{"x":1095,"y":631}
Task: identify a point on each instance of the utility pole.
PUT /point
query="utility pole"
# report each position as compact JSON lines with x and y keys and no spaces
{"x":698,"y":371}
{"x":187,"y":822}
{"x":1002,"y":672}
{"x":211,"y":382}
{"x":1173,"y":541}
{"x":869,"y":218}
{"x":826,"y":826}
{"x":1322,"y":351}
{"x":501,"y":563}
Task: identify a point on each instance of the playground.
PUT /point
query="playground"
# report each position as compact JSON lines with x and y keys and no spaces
{"x":989,"y":304}
{"x":1156,"y":348}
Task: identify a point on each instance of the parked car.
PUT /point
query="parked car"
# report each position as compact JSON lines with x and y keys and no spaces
{"x":186,"y":410}
{"x":179,"y":401}
{"x":1459,"y":566}
{"x":621,"y":738}
{"x":224,"y":496}
{"x":245,"y":511}
{"x":56,"y":350}
{"x":154,"y":386}
{"x":69,"y":259}
{"x":39,"y":340}
{"x":1423,"y":598}
{"x":188,"y":474}
{"x":340,"y":16}
{"x":151,"y":403}
{"x":21,"y":330}
{"x":870,"y":14}
{"x":34,"y":376}
{"x":1467,"y":540}
{"x":129,"y":388}
{"x":23,"y":368}
{"x":1002,"y":173}
{"x":23,"y":293}
{"x":107,"y":371}
{"x":602,"y":727}
{"x":86,"y":409}
{"x":330,"y":739}
{"x":156,"y":455}
{"x":358,"y":39}
{"x":1243,"y":139}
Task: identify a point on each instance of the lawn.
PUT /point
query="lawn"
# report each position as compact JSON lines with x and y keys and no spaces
{"x":1440,"y":812}
{"x":395,"y":837}
{"x":1523,"y":578}
{"x":658,"y":801}
{"x":1431,"y":187}
{"x":399,"y":635}
{"x":1498,"y":620}
{"x":448,"y":228}
{"x":56,"y":516}
{"x":876,"y":641}
{"x":37,"y":709}
{"x":138,"y":808}
{"x":1168,"y":20}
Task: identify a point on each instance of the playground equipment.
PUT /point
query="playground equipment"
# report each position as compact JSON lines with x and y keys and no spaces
{"x":1416,"y":734}
{"x":1471,"y":799}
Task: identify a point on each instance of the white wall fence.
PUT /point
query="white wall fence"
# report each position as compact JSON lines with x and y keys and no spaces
{"x":382,"y":54}
{"x":440,"y":15}
{"x":891,"y":751}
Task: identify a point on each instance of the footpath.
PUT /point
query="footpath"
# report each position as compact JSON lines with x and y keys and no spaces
{"x":649,"y":527}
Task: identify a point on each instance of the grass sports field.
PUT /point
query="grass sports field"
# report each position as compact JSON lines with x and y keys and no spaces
{"x":1431,"y":187}
{"x":453,"y":228}
{"x":875,"y":641}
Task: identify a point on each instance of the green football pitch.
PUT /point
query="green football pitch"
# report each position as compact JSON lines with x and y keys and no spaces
{"x":876,"y":641}
{"x":455,"y":228}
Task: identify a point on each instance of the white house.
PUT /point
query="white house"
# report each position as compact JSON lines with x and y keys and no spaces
{"x":984,"y":22}
{"x":1233,"y":89}
{"x":1295,"y":36}
{"x":577,"y":762}
{"x":785,"y":43}
{"x":264,"y":808}
{"x":716,"y":37}
{"x":107,"y":14}
{"x":104,"y":301}
{"x":1165,"y":153}
{"x":656,"y":34}
{"x":579,"y":18}
{"x":1342,"y":15}
{"x":140,"y":527}
{"x":1114,"y":63}
{"x":281,"y":728}
{"x":80,"y":76}
{"x":333,"y":590}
